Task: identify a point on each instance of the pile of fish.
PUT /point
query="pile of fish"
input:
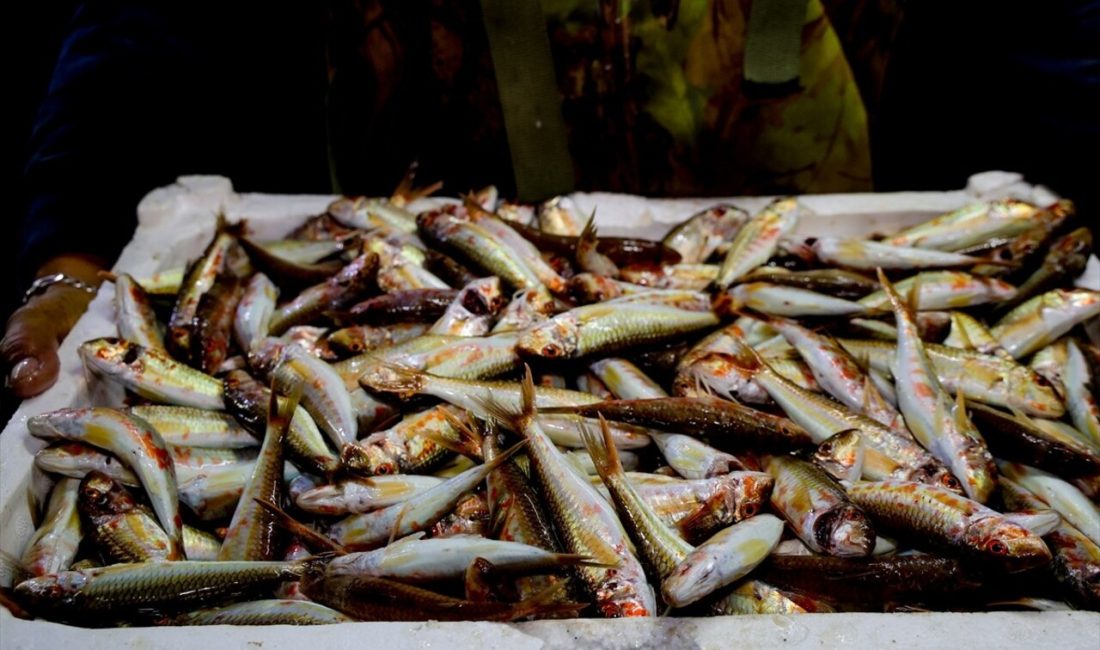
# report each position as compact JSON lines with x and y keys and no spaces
{"x":486,"y":411}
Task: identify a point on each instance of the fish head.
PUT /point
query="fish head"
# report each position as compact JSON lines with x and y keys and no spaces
{"x":615,"y":602}
{"x":109,"y":356}
{"x":999,"y":290}
{"x":102,"y":495}
{"x":483,"y":296}
{"x":367,"y":460}
{"x":587,"y":288}
{"x":52,"y":591}
{"x":841,"y":455}
{"x":344,"y":209}
{"x":1034,"y":393}
{"x":846,"y":532}
{"x":645,"y":274}
{"x":942,"y":476}
{"x":390,"y":378}
{"x":53,"y":424}
{"x":1069,"y":250}
{"x":1006,"y":543}
{"x":528,"y":306}
{"x":749,"y":491}
{"x":553,"y":339}
{"x":723,"y":221}
{"x":352,"y":278}
{"x":1013,"y":210}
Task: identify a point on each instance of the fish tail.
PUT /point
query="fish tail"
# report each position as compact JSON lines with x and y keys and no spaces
{"x":601,"y":447}
{"x":527,"y":394}
{"x":962,"y":420}
{"x":873,"y":399}
{"x":899,"y":305}
{"x":280,"y":414}
{"x":588,"y":234}
{"x":298,"y":529}
{"x":468,"y":443}
{"x":504,"y":456}
{"x":579,"y":559}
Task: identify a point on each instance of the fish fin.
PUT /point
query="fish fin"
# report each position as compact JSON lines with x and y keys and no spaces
{"x":298,"y":529}
{"x":527,"y":394}
{"x":912,"y":297}
{"x":491,"y":410}
{"x":703,"y":386}
{"x":499,"y":520}
{"x":958,"y":333}
{"x":469,"y":201}
{"x":497,"y":413}
{"x":1019,"y":414}
{"x":397,"y":524}
{"x":692,"y":527}
{"x":944,"y":410}
{"x":872,"y":399}
{"x":588,"y":234}
{"x":221,"y":222}
{"x":601,"y":447}
{"x":405,"y":193}
{"x":469,"y":441}
{"x":412,"y":537}
{"x":547,"y":601}
{"x":279,"y":414}
{"x":891,"y":293}
{"x":577,"y":559}
{"x":588,"y":238}
{"x":1041,"y":522}
{"x":960,"y":415}
{"x":504,"y":456}
{"x":743,"y":356}
{"x":480,"y":580}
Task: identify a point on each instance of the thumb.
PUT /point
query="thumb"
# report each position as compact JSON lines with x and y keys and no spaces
{"x":29,"y":349}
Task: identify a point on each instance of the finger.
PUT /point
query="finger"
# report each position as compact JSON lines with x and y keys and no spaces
{"x":29,"y":349}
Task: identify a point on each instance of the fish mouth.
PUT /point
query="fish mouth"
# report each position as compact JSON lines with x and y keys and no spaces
{"x":845,"y":532}
{"x":1026,"y":553}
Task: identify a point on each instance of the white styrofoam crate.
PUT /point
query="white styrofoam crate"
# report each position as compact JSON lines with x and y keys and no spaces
{"x":174,"y":224}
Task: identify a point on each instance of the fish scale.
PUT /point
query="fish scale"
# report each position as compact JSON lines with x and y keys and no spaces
{"x":942,"y":429}
{"x":758,"y":240}
{"x":586,"y":523}
{"x":120,"y":590}
{"x":933,"y":515}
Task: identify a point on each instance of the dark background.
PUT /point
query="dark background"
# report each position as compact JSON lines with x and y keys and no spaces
{"x":33,"y":31}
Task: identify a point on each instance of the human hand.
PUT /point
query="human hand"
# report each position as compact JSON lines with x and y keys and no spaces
{"x":34,"y":331}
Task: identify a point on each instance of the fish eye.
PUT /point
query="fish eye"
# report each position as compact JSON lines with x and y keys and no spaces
{"x":550,"y":351}
{"x":998,"y":547}
{"x":749,"y":509}
{"x":826,"y":448}
{"x":951,"y":483}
